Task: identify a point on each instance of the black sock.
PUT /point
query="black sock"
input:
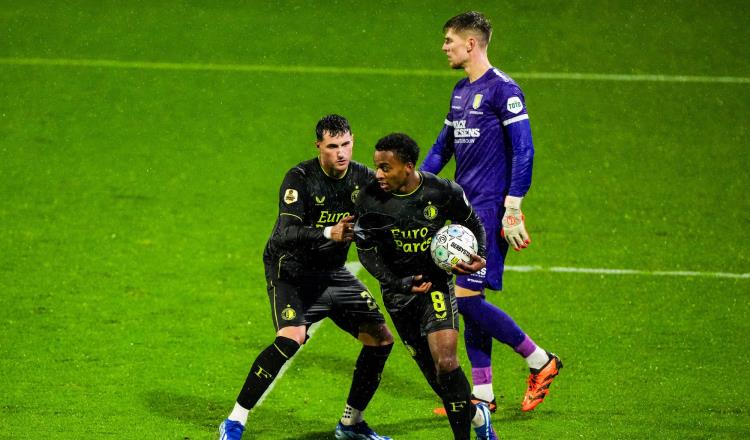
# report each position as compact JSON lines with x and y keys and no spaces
{"x":366,"y":376}
{"x":264,"y":370}
{"x":456,"y":395}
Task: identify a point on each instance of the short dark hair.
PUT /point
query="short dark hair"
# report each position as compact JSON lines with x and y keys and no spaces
{"x":335,"y":125}
{"x":402,"y":146}
{"x":472,"y":21}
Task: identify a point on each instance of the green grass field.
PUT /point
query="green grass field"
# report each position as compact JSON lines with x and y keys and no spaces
{"x":139,"y":170}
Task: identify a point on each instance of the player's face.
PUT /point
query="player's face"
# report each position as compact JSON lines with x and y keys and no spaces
{"x":456,"y":48}
{"x":392,"y":174}
{"x":335,"y":153}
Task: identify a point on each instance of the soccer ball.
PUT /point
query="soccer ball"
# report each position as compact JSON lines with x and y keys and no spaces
{"x":451,"y":244}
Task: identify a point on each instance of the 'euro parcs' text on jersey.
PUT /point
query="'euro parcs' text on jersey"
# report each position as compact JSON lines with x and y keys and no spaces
{"x":401,"y":226}
{"x":310,"y":200}
{"x":487,"y":129}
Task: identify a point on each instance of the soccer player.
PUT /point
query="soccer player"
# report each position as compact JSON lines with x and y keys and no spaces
{"x":397,"y":216}
{"x":487,"y":130}
{"x":307,"y":281}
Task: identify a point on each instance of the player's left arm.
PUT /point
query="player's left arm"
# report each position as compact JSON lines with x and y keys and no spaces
{"x":464,"y":214}
{"x":517,"y":130}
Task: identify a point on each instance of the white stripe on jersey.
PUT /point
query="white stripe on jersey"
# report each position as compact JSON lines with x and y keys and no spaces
{"x":449,"y":123}
{"x":516,"y":119}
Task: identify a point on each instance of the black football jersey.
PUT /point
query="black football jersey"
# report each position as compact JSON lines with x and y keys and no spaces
{"x":401,"y":226}
{"x":310,"y":200}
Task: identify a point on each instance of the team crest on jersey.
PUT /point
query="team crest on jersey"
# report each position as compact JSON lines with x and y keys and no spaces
{"x":430,"y":211}
{"x":355,"y":193}
{"x":320,"y":200}
{"x":288,"y":314}
{"x":477,"y":101}
{"x":514,"y":105}
{"x":291,"y":196}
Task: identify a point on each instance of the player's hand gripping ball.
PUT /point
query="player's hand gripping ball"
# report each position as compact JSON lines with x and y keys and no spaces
{"x":451,"y":244}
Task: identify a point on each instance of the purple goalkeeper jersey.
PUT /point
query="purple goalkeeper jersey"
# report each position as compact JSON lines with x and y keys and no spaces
{"x":487,"y":129}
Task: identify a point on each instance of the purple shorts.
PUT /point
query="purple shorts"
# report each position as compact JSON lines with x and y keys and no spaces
{"x":491,"y":277}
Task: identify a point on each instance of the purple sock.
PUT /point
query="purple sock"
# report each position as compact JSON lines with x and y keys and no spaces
{"x":526,"y":347}
{"x":491,"y":320}
{"x":481,"y":376}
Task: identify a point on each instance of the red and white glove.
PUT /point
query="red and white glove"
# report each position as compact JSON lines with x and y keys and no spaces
{"x":514,"y":230}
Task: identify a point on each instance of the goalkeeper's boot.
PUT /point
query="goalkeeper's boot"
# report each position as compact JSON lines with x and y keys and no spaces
{"x":230,"y":430}
{"x":485,"y":431}
{"x":359,"y":431}
{"x":440,"y":411}
{"x":539,"y":382}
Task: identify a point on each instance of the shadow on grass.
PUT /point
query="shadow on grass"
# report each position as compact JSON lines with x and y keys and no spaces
{"x":197,"y":411}
{"x":206,"y":414}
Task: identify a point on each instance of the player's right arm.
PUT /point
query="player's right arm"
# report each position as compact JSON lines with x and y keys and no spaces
{"x":372,"y":261}
{"x":293,"y":227}
{"x":441,"y":151}
{"x":366,"y":242}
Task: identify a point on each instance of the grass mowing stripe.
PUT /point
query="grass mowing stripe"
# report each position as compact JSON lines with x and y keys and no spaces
{"x":69,"y":62}
{"x":602,"y":271}
{"x":355,"y":267}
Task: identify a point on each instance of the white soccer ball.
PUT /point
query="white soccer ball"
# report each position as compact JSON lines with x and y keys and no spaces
{"x":451,"y":244}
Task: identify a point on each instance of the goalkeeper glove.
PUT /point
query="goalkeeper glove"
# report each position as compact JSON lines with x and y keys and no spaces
{"x":514,"y":230}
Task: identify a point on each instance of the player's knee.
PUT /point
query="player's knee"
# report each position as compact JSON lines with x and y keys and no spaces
{"x":446,"y":364}
{"x":376,"y":334}
{"x":297,"y":334}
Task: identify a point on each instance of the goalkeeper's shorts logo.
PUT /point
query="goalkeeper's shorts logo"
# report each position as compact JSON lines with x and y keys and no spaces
{"x":288,"y":314}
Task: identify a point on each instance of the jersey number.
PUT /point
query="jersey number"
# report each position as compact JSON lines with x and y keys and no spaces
{"x":438,"y":303}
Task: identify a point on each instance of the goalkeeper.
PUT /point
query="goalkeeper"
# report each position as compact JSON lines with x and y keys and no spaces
{"x":487,"y":130}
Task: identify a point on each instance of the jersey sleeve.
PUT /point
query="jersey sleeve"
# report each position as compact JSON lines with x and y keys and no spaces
{"x":443,"y":148}
{"x":292,"y":227}
{"x":510,"y":107}
{"x":463,"y":214}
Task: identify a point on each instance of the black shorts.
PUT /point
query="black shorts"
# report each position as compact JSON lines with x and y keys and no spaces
{"x":416,"y":315}
{"x":335,"y":294}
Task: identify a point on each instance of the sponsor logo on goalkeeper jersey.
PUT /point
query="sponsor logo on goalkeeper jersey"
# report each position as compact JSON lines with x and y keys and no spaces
{"x":477,"y":101}
{"x":514,"y":105}
{"x":412,"y":240}
{"x":461,"y":131}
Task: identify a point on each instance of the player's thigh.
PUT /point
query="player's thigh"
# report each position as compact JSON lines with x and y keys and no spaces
{"x":354,"y":309}
{"x":287,"y":307}
{"x":439,"y":309}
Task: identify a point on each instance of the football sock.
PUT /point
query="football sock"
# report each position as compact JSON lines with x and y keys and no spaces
{"x":239,"y":414}
{"x":367,"y":373}
{"x":264,"y":370}
{"x":351,"y":416}
{"x":491,"y":319}
{"x":528,"y":348}
{"x":483,"y":391}
{"x":478,"y":419}
{"x":456,"y":395}
{"x":537,"y":358}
